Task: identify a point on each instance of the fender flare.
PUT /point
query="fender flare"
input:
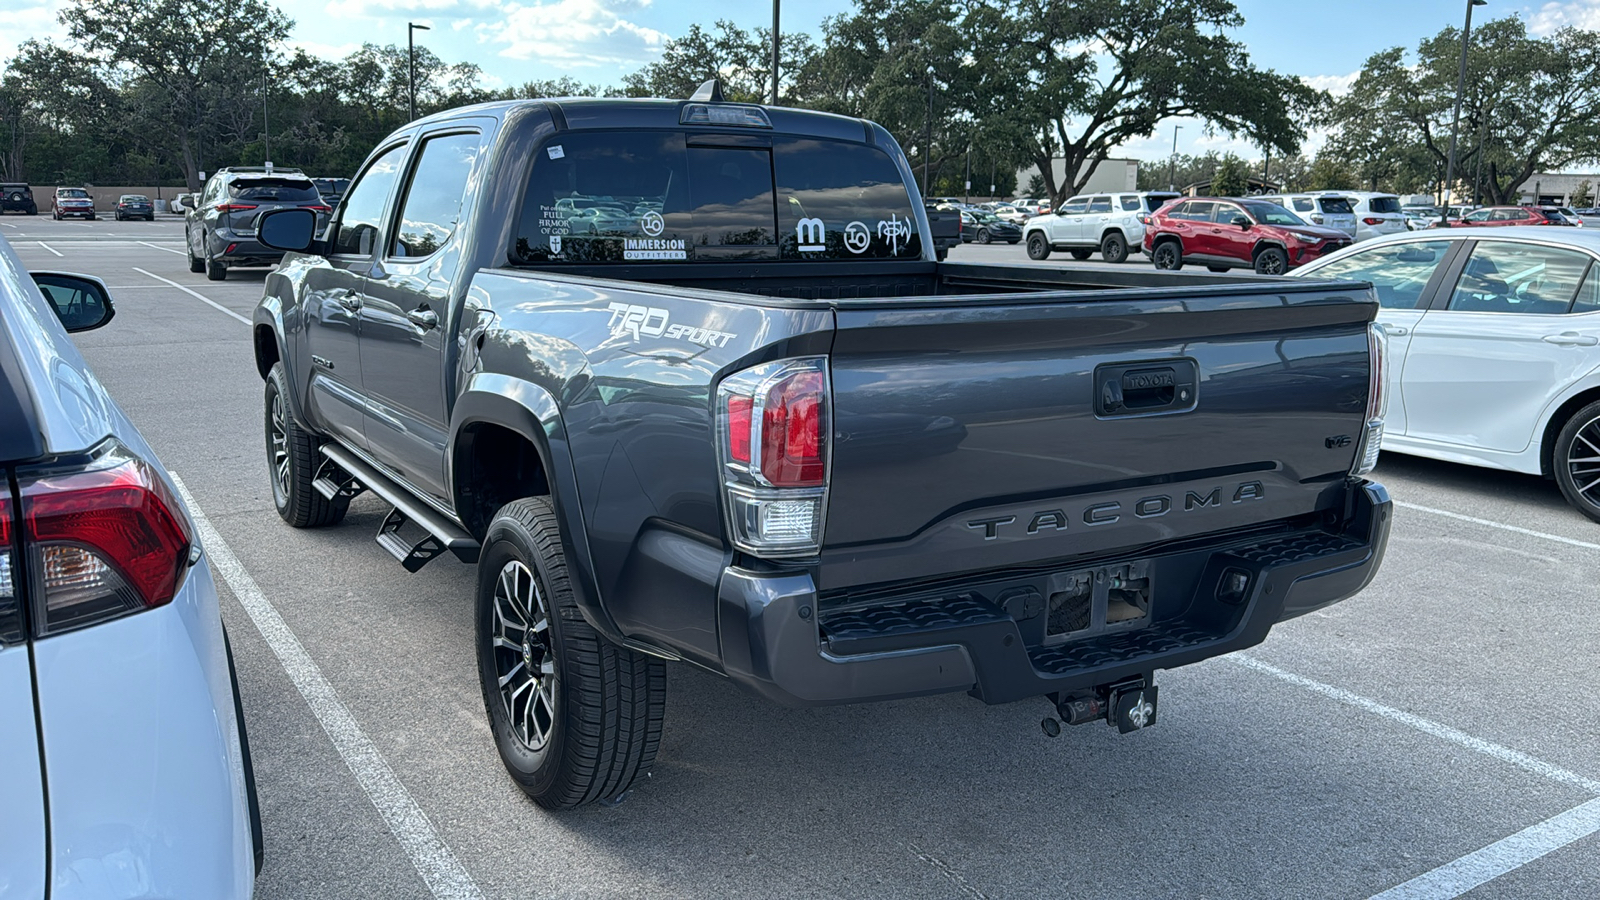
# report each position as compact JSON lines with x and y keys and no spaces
{"x":269,"y":315}
{"x":532,"y":412}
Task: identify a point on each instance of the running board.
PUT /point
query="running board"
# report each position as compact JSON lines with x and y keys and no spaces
{"x":442,"y":534}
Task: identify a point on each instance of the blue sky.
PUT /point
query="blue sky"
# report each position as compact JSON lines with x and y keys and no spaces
{"x":601,"y":40}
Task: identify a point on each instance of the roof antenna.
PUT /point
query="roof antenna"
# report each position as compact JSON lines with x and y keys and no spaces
{"x":710,"y":92}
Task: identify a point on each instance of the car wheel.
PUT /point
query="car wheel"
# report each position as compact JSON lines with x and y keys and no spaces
{"x":215,"y":271}
{"x":1113,"y":248}
{"x":983,"y":236}
{"x":1038,"y":247}
{"x":1167,"y":255}
{"x":575,"y":718}
{"x":1577,"y":461}
{"x":292,"y":461}
{"x":196,"y":264}
{"x":1216,"y":268}
{"x":1271,"y":261}
{"x":55,"y":214}
{"x":91,"y":217}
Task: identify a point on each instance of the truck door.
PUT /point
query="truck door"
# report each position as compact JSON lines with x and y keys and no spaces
{"x":406,"y":310}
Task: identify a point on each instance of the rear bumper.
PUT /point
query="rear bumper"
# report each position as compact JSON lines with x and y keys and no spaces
{"x":778,"y":642}
{"x":242,"y":251}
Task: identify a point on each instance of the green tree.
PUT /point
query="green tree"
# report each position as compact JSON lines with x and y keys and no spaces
{"x":1232,"y":178}
{"x":1583,"y":197}
{"x":1330,"y":173}
{"x":1036,"y":186}
{"x":741,"y":59}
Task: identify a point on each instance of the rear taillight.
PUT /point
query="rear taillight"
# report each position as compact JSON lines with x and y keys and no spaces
{"x":10,"y":614}
{"x":234,"y":207}
{"x":1316,"y":219}
{"x":318,"y":208}
{"x":1144,"y":218}
{"x":772,"y":440}
{"x":103,"y":540}
{"x":1372,"y":220}
{"x":1377,"y":401}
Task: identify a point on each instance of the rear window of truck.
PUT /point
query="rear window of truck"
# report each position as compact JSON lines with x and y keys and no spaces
{"x":675,"y":196}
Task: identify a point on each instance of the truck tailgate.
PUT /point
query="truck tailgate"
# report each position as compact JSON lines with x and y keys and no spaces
{"x":974,"y":433}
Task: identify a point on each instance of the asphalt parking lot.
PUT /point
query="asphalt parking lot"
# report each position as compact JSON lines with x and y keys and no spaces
{"x":1435,"y":736}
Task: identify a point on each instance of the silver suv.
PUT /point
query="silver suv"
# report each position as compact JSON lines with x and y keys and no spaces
{"x":1329,"y":210}
{"x":1110,"y":223}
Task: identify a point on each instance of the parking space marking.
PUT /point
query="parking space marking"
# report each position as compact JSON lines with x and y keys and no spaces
{"x":1500,"y":525}
{"x":168,"y":249}
{"x":50,"y":248}
{"x":445,"y":876}
{"x":195,"y":294}
{"x":1459,"y":876}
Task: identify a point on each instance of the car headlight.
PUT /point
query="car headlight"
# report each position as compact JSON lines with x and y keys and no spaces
{"x":1305,"y":238}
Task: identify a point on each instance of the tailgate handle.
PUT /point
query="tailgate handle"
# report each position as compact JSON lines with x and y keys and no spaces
{"x":1145,"y":388}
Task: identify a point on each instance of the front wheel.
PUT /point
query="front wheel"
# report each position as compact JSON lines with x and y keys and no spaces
{"x":1038,"y":247}
{"x":1577,"y":461}
{"x":983,"y":236}
{"x":1114,"y":248}
{"x":1271,"y":261}
{"x":1167,"y":255}
{"x":292,"y":460}
{"x":575,"y":718}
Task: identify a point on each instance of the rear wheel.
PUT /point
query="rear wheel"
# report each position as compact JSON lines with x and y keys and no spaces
{"x":1038,"y":247}
{"x":1081,"y":254}
{"x":215,"y":271}
{"x":1577,"y":461}
{"x":1167,"y":255}
{"x":1113,"y":248}
{"x":292,"y":461}
{"x":1271,"y":261}
{"x":575,"y":718}
{"x":983,"y":236}
{"x":196,"y":264}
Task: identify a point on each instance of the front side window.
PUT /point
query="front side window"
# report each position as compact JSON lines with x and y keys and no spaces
{"x":362,"y":214}
{"x":1398,"y":272}
{"x":1225,"y":213}
{"x":1272,"y":214}
{"x":432,"y":205}
{"x":1508,"y":277}
{"x":1075,"y":206}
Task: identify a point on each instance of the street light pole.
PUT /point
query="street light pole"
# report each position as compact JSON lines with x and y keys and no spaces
{"x":266,"y":127}
{"x":967,"y":197}
{"x":774,"y":52}
{"x":1172,"y":161}
{"x":411,"y":64}
{"x":1455,"y":123}
{"x":927,"y":152}
{"x":1477,"y":181}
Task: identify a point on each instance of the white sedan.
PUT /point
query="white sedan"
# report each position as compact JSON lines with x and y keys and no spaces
{"x":1494,"y":347}
{"x":124,"y":771}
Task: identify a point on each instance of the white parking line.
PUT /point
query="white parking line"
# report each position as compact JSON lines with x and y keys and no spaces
{"x":168,"y":249}
{"x":7,"y":224}
{"x":50,"y":248}
{"x":433,"y":859}
{"x":1500,"y":525}
{"x":1459,"y":876}
{"x":198,"y":296}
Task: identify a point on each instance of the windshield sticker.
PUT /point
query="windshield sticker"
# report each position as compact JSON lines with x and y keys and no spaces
{"x":652,"y":321}
{"x":894,"y":230}
{"x":813,"y":234}
{"x":652,"y":224}
{"x":555,"y":151}
{"x":553,"y":220}
{"x":654,"y":248}
{"x":555,"y":244}
{"x":857,"y":237}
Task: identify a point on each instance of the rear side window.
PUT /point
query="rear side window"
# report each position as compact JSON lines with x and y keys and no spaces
{"x":1398,"y":272}
{"x":1100,"y":205}
{"x":1384,"y":204}
{"x":1333,"y":206}
{"x":1508,"y":277}
{"x":1588,"y":299}
{"x":281,"y":190}
{"x":857,"y":193}
{"x":432,"y":205}
{"x":1131,"y":204}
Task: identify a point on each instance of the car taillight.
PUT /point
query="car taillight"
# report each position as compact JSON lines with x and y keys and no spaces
{"x":1377,"y":401}
{"x":317,"y":207}
{"x":1316,"y":219}
{"x":1372,"y":220}
{"x":234,"y":207}
{"x":772,"y":427}
{"x":103,"y":540}
{"x":1144,"y":218}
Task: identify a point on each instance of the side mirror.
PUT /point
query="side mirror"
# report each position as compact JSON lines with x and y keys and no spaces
{"x":80,"y":301}
{"x":1241,"y":222}
{"x":294,"y":230}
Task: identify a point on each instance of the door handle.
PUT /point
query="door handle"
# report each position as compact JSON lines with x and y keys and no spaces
{"x":424,"y":318}
{"x":349,"y":300}
{"x":1395,"y":330}
{"x":1571,"y":339}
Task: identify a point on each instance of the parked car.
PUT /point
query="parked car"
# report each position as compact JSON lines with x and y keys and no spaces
{"x":1503,"y":216}
{"x":1016,"y":215}
{"x":986,"y":228}
{"x":115,"y":676}
{"x":1570,"y":215}
{"x":1109,"y":223}
{"x":331,"y":189}
{"x":69,"y":202}
{"x":135,"y":206}
{"x":1494,"y":342}
{"x":1376,"y":213}
{"x":220,"y":229}
{"x":1223,"y":233}
{"x":1420,"y":217}
{"x":1330,"y":210}
{"x":836,"y":471}
{"x":17,"y":197}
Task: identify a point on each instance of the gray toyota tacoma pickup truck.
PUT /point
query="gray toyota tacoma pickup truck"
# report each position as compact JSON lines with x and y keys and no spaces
{"x":684,"y":381}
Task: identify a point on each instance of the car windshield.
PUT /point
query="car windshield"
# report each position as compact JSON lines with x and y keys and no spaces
{"x":74,"y":193}
{"x":1271,"y":213}
{"x":134,"y":198}
{"x":280,"y":189}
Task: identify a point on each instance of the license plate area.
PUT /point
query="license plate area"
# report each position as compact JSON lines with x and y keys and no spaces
{"x":1089,"y":602}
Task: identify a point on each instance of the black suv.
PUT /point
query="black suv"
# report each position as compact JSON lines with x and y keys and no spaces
{"x":221,"y":228}
{"x":17,"y":197}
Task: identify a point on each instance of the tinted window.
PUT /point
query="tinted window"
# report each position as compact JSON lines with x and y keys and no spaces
{"x":273,"y":189}
{"x":1196,"y":211}
{"x":363,"y":206}
{"x":857,"y":193}
{"x":1481,"y":215}
{"x":1224,"y":213}
{"x":432,"y":205}
{"x":1552,"y":215}
{"x":1507,"y":277}
{"x":1272,"y":214}
{"x":1333,"y":206}
{"x":1075,"y":205}
{"x":1100,"y":205}
{"x":1588,"y":299}
{"x":1131,"y":204}
{"x":1384,"y":204}
{"x":1398,"y":272}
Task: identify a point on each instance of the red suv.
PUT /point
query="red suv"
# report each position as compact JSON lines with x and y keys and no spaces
{"x":1509,"y":215}
{"x":1224,"y":234}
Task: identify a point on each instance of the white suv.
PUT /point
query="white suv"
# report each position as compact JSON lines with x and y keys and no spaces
{"x":1319,"y":209}
{"x":1109,"y":223}
{"x":1376,"y":214}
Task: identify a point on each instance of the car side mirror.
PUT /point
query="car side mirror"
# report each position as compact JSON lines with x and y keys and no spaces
{"x":1241,"y":222}
{"x":294,"y":230}
{"x":81,"y":302}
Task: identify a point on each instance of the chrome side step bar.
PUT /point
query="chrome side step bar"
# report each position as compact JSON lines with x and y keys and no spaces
{"x":442,"y":534}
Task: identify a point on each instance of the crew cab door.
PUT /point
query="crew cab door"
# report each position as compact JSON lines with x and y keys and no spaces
{"x":405,"y":316}
{"x":335,"y":295}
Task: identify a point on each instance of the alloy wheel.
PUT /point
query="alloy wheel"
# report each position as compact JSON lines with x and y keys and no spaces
{"x":279,"y":438}
{"x":1583,"y":462}
{"x":525,"y":659}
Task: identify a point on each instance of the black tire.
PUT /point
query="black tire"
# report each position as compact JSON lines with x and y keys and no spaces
{"x":1081,"y":255}
{"x":1271,"y":261}
{"x":1579,"y":441}
{"x":1038,"y":247}
{"x":215,"y":271}
{"x":983,"y":236}
{"x":33,"y":210}
{"x":591,"y":720}
{"x":1113,"y":248}
{"x":297,"y":502}
{"x":195,"y":265}
{"x":55,"y":214}
{"x":1216,"y":268}
{"x":91,"y":217}
{"x":1167,"y":255}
